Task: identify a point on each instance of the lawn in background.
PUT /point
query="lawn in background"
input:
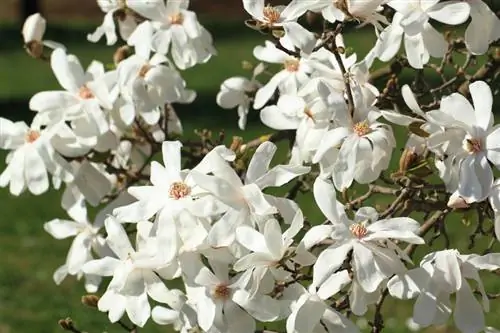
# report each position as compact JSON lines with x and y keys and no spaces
{"x":29,"y":300}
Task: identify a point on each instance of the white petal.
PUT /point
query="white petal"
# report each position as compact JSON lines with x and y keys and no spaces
{"x":60,"y":229}
{"x":334,"y":284}
{"x":366,"y":271}
{"x":117,"y":238}
{"x":138,"y":309}
{"x":483,"y":102}
{"x":330,"y":260}
{"x":326,"y":199}
{"x":468,"y":312}
{"x":261,"y":307}
{"x":408,"y":285}
{"x":104,"y":267}
{"x":452,"y":12}
{"x":251,"y":239}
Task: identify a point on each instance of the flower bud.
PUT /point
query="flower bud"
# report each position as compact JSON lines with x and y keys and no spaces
{"x":121,"y":54}
{"x":236,"y":143}
{"x":90,"y":300}
{"x":407,"y":160}
{"x":66,"y":324}
{"x":34,"y":28}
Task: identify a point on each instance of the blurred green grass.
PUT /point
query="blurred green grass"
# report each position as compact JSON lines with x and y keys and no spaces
{"x":29,"y":300}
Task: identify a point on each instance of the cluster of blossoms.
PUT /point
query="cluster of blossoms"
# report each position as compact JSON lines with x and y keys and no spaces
{"x":244,"y":256}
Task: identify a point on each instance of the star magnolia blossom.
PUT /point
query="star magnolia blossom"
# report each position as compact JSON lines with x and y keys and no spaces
{"x":365,"y":147}
{"x":223,"y":303}
{"x":177,"y":29}
{"x":115,"y":9}
{"x":246,"y":201}
{"x":289,"y":80}
{"x":421,"y":40}
{"x":31,"y":158}
{"x":135,"y":276}
{"x":83,"y":101}
{"x":372,"y":263}
{"x":470,"y":138}
{"x":234,"y":93}
{"x":441,"y":274}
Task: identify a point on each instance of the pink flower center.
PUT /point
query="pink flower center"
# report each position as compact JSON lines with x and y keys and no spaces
{"x":31,"y":136}
{"x":292,"y":65}
{"x":271,"y":14}
{"x":362,"y":128}
{"x":179,"y":190}
{"x":472,"y":145}
{"x":85,"y":93}
{"x":176,"y":18}
{"x":358,"y":230}
{"x":222,"y":292}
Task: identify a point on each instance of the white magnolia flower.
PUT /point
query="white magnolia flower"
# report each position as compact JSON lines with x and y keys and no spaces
{"x":441,"y":274}
{"x":421,"y":40}
{"x":364,"y":147}
{"x":310,"y":303}
{"x":372,"y":263}
{"x":285,"y":17}
{"x":178,"y":30}
{"x":171,"y":189}
{"x":222,"y":303}
{"x":87,"y":239}
{"x":146,"y":83}
{"x":245,"y":201}
{"x":119,"y":10}
{"x":136,"y":274}
{"x":470,"y":138}
{"x":234,"y":93}
{"x":340,"y":10}
{"x":289,"y":80}
{"x":31,"y":158}
{"x":483,"y":29}
{"x":83,"y":100}
{"x":268,"y":249}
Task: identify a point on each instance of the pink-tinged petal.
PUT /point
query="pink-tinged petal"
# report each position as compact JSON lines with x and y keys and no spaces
{"x":408,"y":285}
{"x":333,"y":284}
{"x":483,"y":103}
{"x":365,"y":268}
{"x":117,"y":238}
{"x":52,"y":100}
{"x":329,"y":261}
{"x":60,"y":229}
{"x":451,"y":12}
{"x":138,"y":309}
{"x":468,"y":314}
{"x":103,"y":267}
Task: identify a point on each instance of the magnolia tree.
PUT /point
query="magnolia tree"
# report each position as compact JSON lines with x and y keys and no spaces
{"x":197,"y":243}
